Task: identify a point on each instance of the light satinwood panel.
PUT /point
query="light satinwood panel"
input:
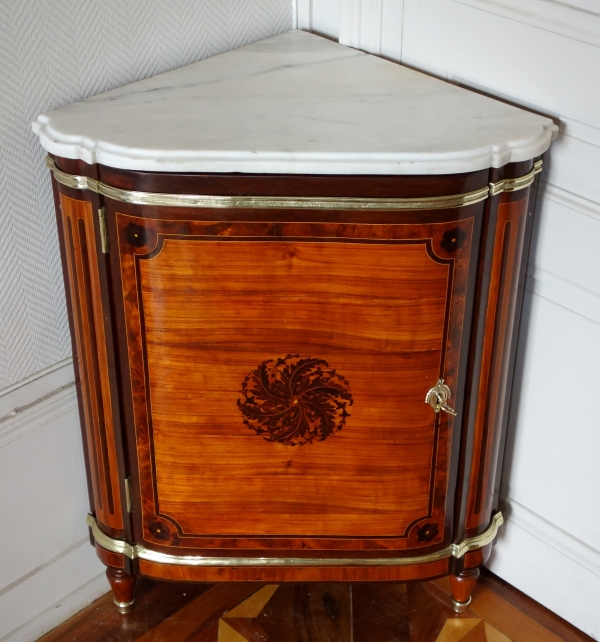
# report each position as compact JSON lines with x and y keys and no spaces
{"x":214,"y":311}
{"x":366,"y":317}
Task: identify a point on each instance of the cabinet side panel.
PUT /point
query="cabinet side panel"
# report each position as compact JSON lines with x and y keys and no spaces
{"x":74,"y":349}
{"x":92,"y":363}
{"x":493,"y":387}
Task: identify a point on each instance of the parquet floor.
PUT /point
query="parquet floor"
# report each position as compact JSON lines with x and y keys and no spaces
{"x":420,"y":612}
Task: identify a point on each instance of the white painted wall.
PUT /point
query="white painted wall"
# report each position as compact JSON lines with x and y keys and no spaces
{"x":545,"y":55}
{"x":48,"y":568}
{"x":52,"y":53}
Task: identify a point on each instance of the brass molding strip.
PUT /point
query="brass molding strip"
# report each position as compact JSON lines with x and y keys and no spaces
{"x":293,"y":202}
{"x":109,"y":543}
{"x":141,"y":552}
{"x":515,"y":184}
{"x":296,"y":202}
{"x":70,"y":180}
{"x":479,"y":541}
{"x":262,"y":202}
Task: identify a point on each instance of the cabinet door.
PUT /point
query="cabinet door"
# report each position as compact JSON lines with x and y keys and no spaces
{"x":278,"y":374}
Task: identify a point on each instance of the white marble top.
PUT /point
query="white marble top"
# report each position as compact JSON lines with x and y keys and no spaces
{"x":297,"y":104}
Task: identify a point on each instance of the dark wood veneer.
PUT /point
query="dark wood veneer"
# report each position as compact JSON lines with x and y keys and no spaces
{"x":295,"y":185}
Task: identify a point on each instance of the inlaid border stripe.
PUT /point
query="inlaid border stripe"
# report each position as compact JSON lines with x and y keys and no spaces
{"x":141,"y":552}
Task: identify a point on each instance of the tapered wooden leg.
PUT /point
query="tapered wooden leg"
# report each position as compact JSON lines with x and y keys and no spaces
{"x":462,"y":587}
{"x":122,"y":585}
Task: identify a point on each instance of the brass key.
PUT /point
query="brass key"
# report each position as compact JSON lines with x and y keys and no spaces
{"x":438,"y":396}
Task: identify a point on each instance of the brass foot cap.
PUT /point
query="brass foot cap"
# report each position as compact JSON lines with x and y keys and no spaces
{"x":124,"y":607}
{"x":460,"y":607}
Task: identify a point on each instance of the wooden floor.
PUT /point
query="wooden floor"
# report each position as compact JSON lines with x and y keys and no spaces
{"x":420,"y":612}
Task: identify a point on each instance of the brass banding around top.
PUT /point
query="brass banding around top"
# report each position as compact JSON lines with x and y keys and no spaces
{"x":290,"y":202}
{"x":137,"y":551}
{"x":515,"y":184}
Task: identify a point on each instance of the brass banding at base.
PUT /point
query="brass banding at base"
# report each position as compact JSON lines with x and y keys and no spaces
{"x":137,"y":551}
{"x":290,"y":202}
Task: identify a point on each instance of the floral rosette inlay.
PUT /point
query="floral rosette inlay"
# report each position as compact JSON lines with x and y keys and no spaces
{"x":295,"y":400}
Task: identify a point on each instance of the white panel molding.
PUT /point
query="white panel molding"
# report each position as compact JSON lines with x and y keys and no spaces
{"x":569,"y":125}
{"x":304,"y":13}
{"x":581,"y":130}
{"x":571,"y":201}
{"x":555,"y":537}
{"x":525,"y":560}
{"x":24,"y":419}
{"x":25,"y":392}
{"x":578,"y":22}
{"x":391,"y":30}
{"x":350,"y":23}
{"x":47,"y":596}
{"x":563,"y":292}
{"x":555,"y":287}
{"x":374,"y":26}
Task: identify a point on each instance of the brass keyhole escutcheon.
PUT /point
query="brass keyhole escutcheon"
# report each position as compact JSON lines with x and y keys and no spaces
{"x":438,"y":396}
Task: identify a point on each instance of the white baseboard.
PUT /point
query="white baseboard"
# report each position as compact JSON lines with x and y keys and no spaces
{"x":550,"y":565}
{"x":559,"y":539}
{"x":51,"y":594}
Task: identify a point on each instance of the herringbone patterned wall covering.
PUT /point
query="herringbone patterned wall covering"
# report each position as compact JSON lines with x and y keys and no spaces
{"x":54,"y":52}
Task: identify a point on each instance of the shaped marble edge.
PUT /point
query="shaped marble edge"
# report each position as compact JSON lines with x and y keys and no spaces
{"x":295,"y":103}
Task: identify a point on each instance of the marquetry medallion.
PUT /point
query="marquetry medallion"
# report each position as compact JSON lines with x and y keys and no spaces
{"x":295,"y":400}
